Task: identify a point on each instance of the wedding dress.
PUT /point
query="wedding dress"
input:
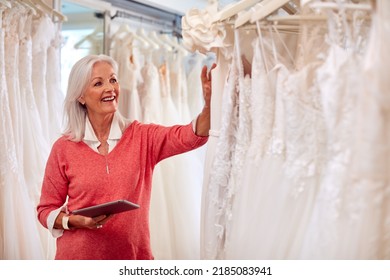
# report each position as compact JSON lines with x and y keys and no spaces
{"x":55,"y":95}
{"x":175,"y":201}
{"x":348,"y":220}
{"x":43,"y":33}
{"x":179,"y":91}
{"x":226,"y":175}
{"x":128,"y":75}
{"x":200,"y":34}
{"x":149,"y":92}
{"x":17,"y":207}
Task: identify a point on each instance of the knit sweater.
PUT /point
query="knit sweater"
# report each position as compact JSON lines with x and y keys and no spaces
{"x":87,"y":178}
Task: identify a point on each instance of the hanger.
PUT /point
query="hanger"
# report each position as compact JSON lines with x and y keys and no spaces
{"x":144,"y":43}
{"x":89,"y":37}
{"x":141,"y":32}
{"x":234,"y":9}
{"x":330,"y":5}
{"x":295,"y":18}
{"x":267,"y":9}
{"x":6,"y":4}
{"x":30,"y":6}
{"x":47,"y":9}
{"x":153,"y":35}
{"x":125,"y":32}
{"x":123,"y":29}
{"x":245,"y":17}
{"x":174,"y":44}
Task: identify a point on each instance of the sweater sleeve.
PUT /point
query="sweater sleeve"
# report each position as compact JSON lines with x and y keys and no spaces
{"x":55,"y":184}
{"x":173,"y":140}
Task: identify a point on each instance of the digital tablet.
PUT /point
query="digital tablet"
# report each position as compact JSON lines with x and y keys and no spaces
{"x":108,"y":208}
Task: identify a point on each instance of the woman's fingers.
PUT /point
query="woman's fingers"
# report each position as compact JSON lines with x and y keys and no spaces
{"x":206,"y":75}
{"x":212,"y":67}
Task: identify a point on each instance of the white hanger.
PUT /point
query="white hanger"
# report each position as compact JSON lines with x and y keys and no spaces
{"x":124,"y":31}
{"x":141,"y":32}
{"x":144,"y":43}
{"x":153,"y":35}
{"x":234,"y":9}
{"x":30,"y":6}
{"x":173,"y":43}
{"x":89,"y":37}
{"x":330,"y":5}
{"x":6,"y":3}
{"x":295,"y":18}
{"x":246,"y":16}
{"x":52,"y":12}
{"x":268,"y":9}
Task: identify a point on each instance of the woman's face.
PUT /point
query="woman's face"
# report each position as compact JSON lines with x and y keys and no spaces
{"x":102,"y":91}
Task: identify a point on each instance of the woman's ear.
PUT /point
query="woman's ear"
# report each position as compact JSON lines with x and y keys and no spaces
{"x":81,"y":100}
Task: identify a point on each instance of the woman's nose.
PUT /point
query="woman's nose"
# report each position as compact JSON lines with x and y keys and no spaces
{"x":109,"y":87}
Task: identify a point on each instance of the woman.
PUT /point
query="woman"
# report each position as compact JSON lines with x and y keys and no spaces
{"x":102,"y":157}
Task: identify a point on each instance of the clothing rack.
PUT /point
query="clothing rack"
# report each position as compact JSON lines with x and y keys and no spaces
{"x":144,"y":13}
{"x":165,"y":24}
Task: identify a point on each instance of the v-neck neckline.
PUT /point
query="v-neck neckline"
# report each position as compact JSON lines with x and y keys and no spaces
{"x":113,"y":150}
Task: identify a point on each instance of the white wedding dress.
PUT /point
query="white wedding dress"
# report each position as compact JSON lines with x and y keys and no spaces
{"x":127,"y":55}
{"x":349,"y":220}
{"x":18,"y":186}
{"x":175,"y":201}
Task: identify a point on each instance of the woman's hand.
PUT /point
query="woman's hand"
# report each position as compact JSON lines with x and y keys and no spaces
{"x":78,"y":221}
{"x":203,"y":121}
{"x":206,"y":79}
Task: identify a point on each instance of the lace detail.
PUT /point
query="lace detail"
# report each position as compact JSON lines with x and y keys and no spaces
{"x":222,"y":164}
{"x":262,"y":101}
{"x":242,"y":142}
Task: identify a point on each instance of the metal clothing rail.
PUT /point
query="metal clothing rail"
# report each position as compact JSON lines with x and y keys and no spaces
{"x":145,"y":13}
{"x":142,"y":18}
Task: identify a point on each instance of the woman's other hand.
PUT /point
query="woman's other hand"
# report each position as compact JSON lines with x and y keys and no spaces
{"x":203,"y":121}
{"x":206,"y":78}
{"x":79,"y":221}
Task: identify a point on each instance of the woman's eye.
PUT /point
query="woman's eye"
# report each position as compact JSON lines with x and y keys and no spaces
{"x":113,"y":80}
{"x":97,"y":84}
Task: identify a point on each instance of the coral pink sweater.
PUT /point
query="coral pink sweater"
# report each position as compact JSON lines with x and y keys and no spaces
{"x":75,"y":170}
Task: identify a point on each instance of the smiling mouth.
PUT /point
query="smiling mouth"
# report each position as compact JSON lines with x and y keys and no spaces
{"x":108,"y":99}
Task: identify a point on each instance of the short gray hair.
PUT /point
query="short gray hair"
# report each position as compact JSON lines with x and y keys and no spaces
{"x":75,"y":113}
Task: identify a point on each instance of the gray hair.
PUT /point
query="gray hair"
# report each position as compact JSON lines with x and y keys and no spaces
{"x":75,"y":112}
